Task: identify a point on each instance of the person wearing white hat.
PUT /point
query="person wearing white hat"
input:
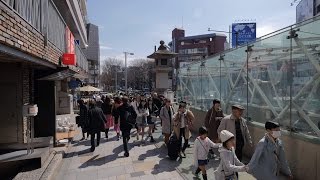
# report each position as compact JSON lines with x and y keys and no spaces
{"x":229,"y":163}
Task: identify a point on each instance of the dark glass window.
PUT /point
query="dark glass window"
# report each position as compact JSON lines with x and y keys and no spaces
{"x":164,"y":62}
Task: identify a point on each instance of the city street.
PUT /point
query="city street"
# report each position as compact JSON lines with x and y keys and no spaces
{"x":148,"y":161}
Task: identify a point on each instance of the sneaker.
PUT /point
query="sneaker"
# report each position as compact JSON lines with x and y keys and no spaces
{"x":92,"y":149}
{"x":126,"y":154}
{"x":82,"y":139}
{"x":152,"y":140}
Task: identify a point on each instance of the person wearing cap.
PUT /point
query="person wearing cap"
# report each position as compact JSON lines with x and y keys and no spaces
{"x":212,"y":120}
{"x":237,"y":125}
{"x":229,"y":163}
{"x":182,"y":120}
{"x":269,"y":160}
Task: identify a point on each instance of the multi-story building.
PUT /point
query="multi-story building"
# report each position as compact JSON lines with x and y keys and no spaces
{"x":37,"y":61}
{"x":93,"y":54}
{"x":194,"y":48}
{"x":317,"y":7}
{"x":307,"y":9}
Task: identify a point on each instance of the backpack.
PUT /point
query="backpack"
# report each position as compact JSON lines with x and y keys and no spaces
{"x":129,"y":118}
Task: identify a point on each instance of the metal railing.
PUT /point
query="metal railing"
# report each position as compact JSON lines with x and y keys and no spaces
{"x":56,"y":27}
{"x":82,"y":61}
{"x":44,"y":16}
{"x":29,"y":10}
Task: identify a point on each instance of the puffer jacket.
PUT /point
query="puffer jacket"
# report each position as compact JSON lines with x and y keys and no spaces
{"x":229,"y":164}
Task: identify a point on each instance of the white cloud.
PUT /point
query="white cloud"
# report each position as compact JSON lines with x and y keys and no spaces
{"x":104,"y":47}
{"x":265,"y":29}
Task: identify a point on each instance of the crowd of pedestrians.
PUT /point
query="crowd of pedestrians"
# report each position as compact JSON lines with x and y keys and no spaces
{"x":228,"y":134}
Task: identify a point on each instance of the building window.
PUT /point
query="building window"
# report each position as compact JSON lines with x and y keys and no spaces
{"x":170,"y":75}
{"x":182,"y":43}
{"x":157,"y":62}
{"x":210,"y":39}
{"x":164,"y":62}
{"x":318,"y":9}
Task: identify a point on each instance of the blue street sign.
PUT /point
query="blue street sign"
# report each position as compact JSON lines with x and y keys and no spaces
{"x":246,"y":33}
{"x":73,"y":84}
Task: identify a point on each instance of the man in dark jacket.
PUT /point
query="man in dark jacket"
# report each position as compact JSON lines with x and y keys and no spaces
{"x":212,"y":120}
{"x":96,"y":123}
{"x":83,"y":118}
{"x":124,"y":110}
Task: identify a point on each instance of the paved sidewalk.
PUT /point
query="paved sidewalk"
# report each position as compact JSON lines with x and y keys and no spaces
{"x":148,"y":161}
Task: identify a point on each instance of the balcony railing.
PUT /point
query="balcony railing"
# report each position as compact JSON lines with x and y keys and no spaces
{"x":82,"y":61}
{"x":44,"y":16}
{"x":56,"y":27}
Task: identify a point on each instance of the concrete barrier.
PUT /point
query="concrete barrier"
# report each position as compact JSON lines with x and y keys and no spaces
{"x":302,"y":151}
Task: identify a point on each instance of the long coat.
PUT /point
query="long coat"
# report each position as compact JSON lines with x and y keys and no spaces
{"x":167,"y":124}
{"x":96,"y":120}
{"x":228,"y":123}
{"x":83,"y":118}
{"x":189,"y":117}
{"x":212,"y":122}
{"x":268,"y":160}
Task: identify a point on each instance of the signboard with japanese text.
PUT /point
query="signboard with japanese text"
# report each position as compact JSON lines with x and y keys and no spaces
{"x":243,"y":33}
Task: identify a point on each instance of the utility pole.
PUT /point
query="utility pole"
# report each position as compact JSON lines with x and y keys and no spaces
{"x":126,"y":70}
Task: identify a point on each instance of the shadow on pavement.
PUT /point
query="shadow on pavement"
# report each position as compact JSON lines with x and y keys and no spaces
{"x":166,"y":165}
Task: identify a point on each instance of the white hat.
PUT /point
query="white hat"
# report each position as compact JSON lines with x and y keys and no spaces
{"x":225,"y":135}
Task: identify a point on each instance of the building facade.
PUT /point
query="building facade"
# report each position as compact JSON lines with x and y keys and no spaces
{"x":193,"y":48}
{"x":307,"y":9}
{"x":36,"y":37}
{"x":93,"y":55}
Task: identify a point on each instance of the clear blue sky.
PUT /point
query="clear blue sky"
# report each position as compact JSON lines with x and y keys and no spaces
{"x":138,"y":25}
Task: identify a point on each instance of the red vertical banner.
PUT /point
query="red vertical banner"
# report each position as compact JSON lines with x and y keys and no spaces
{"x":70,"y":41}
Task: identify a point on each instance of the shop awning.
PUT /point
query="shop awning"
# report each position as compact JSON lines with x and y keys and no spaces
{"x":89,"y":89}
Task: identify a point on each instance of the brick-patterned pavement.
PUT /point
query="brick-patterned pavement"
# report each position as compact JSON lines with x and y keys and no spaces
{"x":147,"y":161}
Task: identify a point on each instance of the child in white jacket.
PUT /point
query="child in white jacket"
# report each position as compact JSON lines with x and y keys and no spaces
{"x":202,"y":145}
{"x":229,"y":164}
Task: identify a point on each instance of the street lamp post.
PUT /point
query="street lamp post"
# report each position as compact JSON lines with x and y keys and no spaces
{"x":116,"y":79}
{"x":126,"y":70}
{"x":229,"y":34}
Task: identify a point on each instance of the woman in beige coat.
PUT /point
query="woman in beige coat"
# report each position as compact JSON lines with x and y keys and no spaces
{"x":182,"y":121}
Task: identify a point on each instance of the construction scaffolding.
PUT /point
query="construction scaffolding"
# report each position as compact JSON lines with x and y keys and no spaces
{"x":275,"y":78}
